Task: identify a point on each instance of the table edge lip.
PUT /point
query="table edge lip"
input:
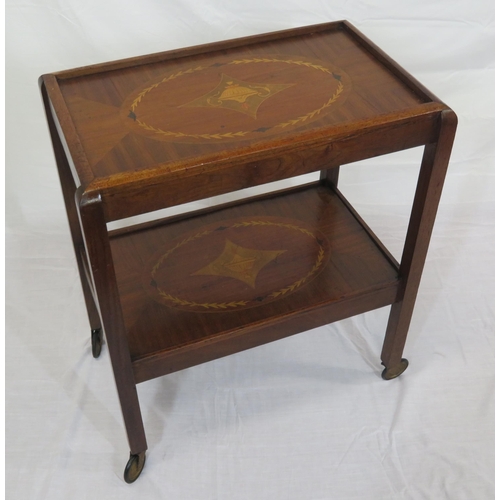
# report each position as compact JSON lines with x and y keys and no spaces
{"x":267,"y":150}
{"x":340,"y":25}
{"x":198,"y":49}
{"x":377,"y":289}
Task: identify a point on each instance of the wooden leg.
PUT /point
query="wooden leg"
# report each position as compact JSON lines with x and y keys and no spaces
{"x":429,"y":187}
{"x":330,"y":176}
{"x":104,"y":280}
{"x":69,"y":189}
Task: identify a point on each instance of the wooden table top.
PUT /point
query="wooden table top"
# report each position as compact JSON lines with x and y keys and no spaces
{"x":160,"y":114}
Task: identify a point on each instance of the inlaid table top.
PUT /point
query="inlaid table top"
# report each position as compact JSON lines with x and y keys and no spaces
{"x":250,"y":98}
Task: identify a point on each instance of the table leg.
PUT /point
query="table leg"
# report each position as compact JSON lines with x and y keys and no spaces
{"x":428,"y":192}
{"x":68,"y":189}
{"x":330,"y":176}
{"x":103,"y":276}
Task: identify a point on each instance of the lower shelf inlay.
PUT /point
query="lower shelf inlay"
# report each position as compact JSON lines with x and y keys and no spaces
{"x":264,"y":261}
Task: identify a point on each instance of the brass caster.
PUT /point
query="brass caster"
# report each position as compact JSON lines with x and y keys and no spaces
{"x":134,"y":467}
{"x":96,"y":338}
{"x":396,"y":371}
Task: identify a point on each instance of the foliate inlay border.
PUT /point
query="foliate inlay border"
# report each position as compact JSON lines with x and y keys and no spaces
{"x":170,"y":299}
{"x":133,"y":114}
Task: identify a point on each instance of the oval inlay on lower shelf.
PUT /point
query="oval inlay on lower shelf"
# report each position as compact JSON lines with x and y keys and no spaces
{"x":236,"y":264}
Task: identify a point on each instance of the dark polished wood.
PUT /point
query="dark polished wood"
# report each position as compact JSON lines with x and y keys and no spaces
{"x":428,"y":193}
{"x":322,"y":265}
{"x":69,"y":188}
{"x":140,"y":132}
{"x":147,"y":133}
{"x":331,"y":176}
{"x":104,"y":281}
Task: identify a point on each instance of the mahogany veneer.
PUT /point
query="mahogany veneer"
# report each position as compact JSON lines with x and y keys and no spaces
{"x":142,"y":134}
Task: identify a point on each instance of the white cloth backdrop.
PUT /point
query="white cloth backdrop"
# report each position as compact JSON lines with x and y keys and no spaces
{"x":307,"y":417}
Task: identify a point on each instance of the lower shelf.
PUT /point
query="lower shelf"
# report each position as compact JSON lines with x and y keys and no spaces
{"x":231,"y":278}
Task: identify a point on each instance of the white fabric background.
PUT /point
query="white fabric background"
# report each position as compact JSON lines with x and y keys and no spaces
{"x":307,"y":417}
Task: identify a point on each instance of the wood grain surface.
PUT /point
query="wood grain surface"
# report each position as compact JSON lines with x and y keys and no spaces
{"x":243,"y":111}
{"x":191,"y":283}
{"x":156,"y":131}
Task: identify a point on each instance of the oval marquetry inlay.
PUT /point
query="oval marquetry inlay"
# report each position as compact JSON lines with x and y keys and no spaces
{"x":236,"y":264}
{"x":235,"y":99}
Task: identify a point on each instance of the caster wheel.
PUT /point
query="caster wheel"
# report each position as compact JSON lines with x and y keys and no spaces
{"x":395,"y":371}
{"x":134,"y":467}
{"x":96,"y":337}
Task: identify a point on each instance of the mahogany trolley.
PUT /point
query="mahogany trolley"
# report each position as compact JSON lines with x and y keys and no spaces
{"x":143,"y":134}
